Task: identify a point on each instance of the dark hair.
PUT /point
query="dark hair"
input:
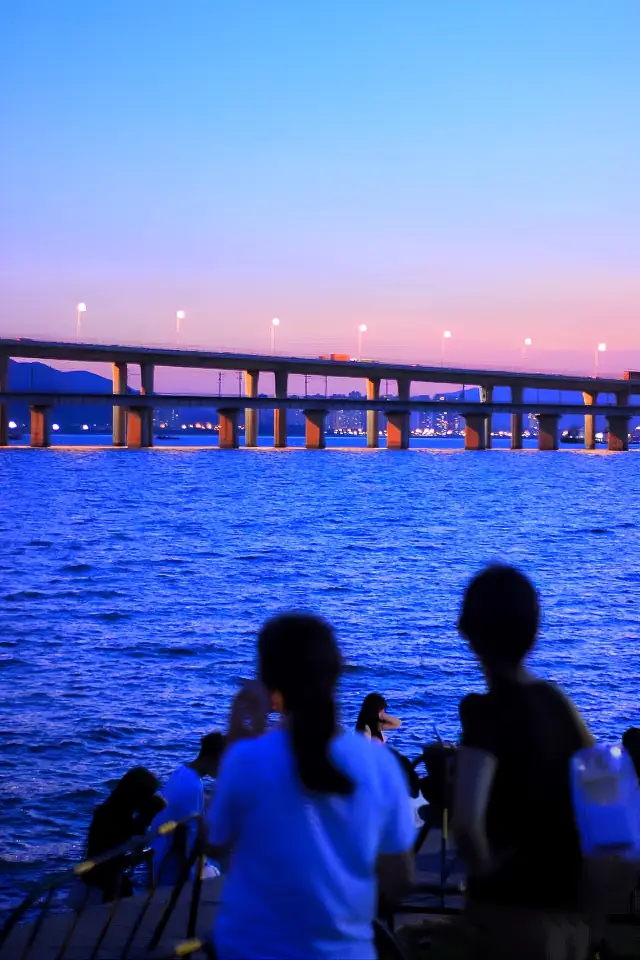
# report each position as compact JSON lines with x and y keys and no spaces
{"x":212,"y":746}
{"x":369,"y":715}
{"x":500,"y":616}
{"x":299,"y":658}
{"x":134,"y":790}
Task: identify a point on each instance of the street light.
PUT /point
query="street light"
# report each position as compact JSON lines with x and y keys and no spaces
{"x":180,"y":315}
{"x":445,"y":336}
{"x":362,"y":329}
{"x":599,"y":349}
{"x":80,"y":309}
{"x":272,"y":333}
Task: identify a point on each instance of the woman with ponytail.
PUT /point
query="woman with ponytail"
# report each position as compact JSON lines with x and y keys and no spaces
{"x":318,"y":823}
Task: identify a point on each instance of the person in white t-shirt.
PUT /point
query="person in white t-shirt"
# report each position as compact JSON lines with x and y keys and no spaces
{"x":184,"y":796}
{"x":318,"y":822}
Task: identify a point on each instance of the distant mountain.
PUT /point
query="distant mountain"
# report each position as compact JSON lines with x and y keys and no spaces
{"x":39,"y":376}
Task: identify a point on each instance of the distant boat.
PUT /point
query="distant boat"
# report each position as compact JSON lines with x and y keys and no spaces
{"x":572,"y":435}
{"x":167,"y":436}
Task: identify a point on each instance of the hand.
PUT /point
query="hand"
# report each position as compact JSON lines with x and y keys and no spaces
{"x":249,"y":711}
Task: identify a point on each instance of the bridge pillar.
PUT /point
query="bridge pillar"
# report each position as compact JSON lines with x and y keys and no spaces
{"x":589,"y":421}
{"x":373,"y":416}
{"x":251,"y":416}
{"x":137,"y":437}
{"x":40,"y":426}
{"x":314,"y":429}
{"x":4,"y":410}
{"x":618,"y":433}
{"x":486,"y":396}
{"x":119,"y":413}
{"x":280,"y":414}
{"x":475,"y":432}
{"x":516,"y":419}
{"x":147,"y":372}
{"x":548,"y":431}
{"x":228,"y":435}
{"x":398,"y":430}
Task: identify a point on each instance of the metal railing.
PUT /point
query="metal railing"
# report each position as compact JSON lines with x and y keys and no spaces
{"x":38,"y":905}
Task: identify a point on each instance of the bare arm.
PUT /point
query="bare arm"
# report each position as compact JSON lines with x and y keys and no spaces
{"x":475,"y":773}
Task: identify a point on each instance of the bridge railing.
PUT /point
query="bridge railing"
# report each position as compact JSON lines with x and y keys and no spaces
{"x":71,"y":893}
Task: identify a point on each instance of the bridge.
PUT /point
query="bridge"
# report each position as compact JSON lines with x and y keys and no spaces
{"x":133,"y":413}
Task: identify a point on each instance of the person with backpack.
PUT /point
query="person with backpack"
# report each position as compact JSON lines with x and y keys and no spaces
{"x":513,"y":814}
{"x":317,"y":822}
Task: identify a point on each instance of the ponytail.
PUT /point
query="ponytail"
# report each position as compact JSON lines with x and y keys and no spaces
{"x":299,"y":658}
{"x":312,"y":721}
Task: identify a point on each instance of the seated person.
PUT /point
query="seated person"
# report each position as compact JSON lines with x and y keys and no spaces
{"x":125,"y":814}
{"x":184,"y":797}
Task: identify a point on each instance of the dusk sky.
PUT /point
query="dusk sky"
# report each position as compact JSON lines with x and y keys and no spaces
{"x":414,"y":166}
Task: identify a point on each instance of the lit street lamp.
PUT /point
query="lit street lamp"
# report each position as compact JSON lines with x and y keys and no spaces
{"x":445,"y":336}
{"x":272,"y":333}
{"x":180,"y":315}
{"x":362,"y":329}
{"x":80,"y":309}
{"x":599,"y":349}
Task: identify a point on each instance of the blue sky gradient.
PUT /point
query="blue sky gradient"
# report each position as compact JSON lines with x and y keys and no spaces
{"x":411,"y":165}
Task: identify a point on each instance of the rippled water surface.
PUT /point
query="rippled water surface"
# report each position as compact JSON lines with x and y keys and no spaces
{"x":133,"y":584}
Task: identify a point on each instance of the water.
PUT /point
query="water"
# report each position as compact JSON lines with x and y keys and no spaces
{"x":133,"y":584}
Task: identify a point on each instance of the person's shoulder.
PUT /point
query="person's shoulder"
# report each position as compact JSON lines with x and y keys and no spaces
{"x":475,"y":706}
{"x":245,"y":751}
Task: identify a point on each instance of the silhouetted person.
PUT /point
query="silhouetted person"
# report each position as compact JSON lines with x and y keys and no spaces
{"x":126,"y":813}
{"x":631,"y":743}
{"x":313,"y":817}
{"x":513,"y":811}
{"x":184,"y":796}
{"x":373,"y":718}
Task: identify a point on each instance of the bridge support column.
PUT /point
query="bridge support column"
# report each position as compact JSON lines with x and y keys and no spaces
{"x":40,"y":426}
{"x":486,"y":396}
{"x":251,"y":416}
{"x":314,"y":430}
{"x":4,"y":410}
{"x":548,"y":431}
{"x":618,"y":433}
{"x":228,"y":435}
{"x":398,"y":430}
{"x":137,"y":437}
{"x":119,"y":413}
{"x":373,"y":416}
{"x":475,"y":432}
{"x":280,"y":414}
{"x":516,"y":419}
{"x":146,"y":389}
{"x":589,"y":422}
